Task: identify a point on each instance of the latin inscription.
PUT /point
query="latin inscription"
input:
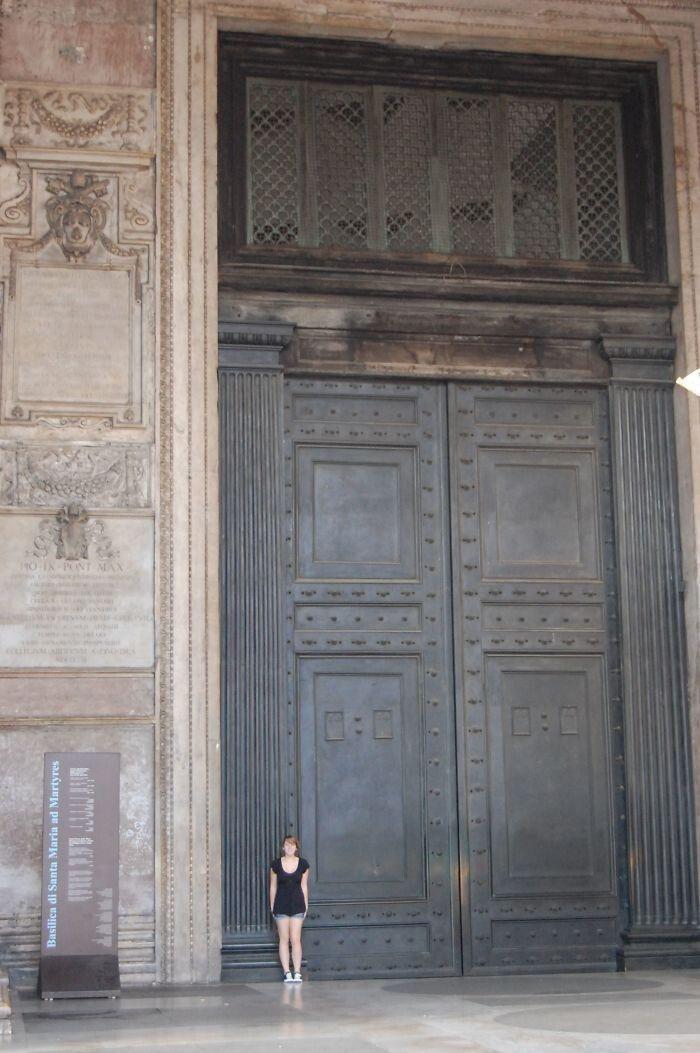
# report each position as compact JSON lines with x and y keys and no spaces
{"x":87,"y":611}
{"x":70,"y":356}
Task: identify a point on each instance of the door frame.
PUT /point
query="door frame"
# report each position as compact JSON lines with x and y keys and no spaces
{"x":188,"y":881}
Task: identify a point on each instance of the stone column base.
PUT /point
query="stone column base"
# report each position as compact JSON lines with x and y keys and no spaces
{"x":651,"y":949}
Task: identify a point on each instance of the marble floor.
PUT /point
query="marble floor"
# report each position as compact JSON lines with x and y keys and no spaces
{"x":601,"y":1013}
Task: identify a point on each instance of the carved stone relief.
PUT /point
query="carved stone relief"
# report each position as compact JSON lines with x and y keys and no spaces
{"x":136,"y":198}
{"x":114,"y":476}
{"x":15,"y":196}
{"x":78,"y":118}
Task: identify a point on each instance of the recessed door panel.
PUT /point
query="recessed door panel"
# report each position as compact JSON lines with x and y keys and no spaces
{"x":356,"y":512}
{"x":538,"y":514}
{"x":547,"y":775}
{"x":362,"y":782}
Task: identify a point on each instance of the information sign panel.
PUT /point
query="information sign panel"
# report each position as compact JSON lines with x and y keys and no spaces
{"x":80,"y":887}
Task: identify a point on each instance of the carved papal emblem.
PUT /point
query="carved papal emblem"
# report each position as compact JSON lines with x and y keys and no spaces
{"x":76,"y":211}
{"x":71,"y":534}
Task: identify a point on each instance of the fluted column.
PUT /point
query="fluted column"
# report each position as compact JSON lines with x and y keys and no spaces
{"x":250,"y":414}
{"x":663,"y":910}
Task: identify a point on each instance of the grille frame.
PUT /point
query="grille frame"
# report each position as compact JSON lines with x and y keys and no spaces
{"x":624,"y":89}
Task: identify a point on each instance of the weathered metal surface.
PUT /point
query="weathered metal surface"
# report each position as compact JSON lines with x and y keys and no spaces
{"x":370,"y":699}
{"x":537,"y":703}
{"x":254,"y":818}
{"x":663,"y":871}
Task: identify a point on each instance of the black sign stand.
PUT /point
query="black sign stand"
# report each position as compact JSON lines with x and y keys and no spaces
{"x":80,"y":888}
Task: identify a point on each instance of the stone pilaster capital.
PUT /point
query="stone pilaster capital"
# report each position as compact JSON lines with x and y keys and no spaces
{"x":634,"y":359}
{"x":257,"y":344}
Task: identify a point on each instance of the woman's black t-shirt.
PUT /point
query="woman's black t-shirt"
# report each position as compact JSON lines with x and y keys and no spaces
{"x":289,"y":898}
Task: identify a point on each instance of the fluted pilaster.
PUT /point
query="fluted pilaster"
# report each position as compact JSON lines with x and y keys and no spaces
{"x":663,"y":912}
{"x":250,"y":413}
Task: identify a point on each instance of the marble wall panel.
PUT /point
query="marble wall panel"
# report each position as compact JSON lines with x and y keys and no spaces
{"x":47,"y":697}
{"x":78,"y":590}
{"x":79,"y":41}
{"x":21,"y":771}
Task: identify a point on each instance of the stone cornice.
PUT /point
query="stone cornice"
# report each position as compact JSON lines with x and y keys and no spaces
{"x":636,"y":360}
{"x":253,"y":343}
{"x":633,"y":348}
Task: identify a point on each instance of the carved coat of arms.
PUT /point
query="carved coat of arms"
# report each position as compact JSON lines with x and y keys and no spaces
{"x":71,"y":534}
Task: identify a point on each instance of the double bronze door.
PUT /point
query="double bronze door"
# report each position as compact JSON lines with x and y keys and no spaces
{"x":453,"y":739}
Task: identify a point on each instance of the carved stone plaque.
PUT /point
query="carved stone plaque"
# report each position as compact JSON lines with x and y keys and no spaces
{"x":78,"y":589}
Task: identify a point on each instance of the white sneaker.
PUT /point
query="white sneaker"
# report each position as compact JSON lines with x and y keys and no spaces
{"x":288,"y":978}
{"x":297,"y":978}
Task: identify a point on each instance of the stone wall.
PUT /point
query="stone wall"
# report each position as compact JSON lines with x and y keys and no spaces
{"x":77,"y":266}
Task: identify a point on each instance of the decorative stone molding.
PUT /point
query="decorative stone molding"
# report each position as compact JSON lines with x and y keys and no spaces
{"x":114,"y":476}
{"x":631,"y":360}
{"x":15,"y":196}
{"x":253,"y":343}
{"x":78,"y":118}
{"x":136,"y":204}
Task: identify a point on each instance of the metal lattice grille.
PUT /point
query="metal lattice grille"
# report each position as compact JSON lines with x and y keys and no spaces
{"x":470,"y":174}
{"x":597,"y":191}
{"x":273,"y":121}
{"x":370,"y":168}
{"x":406,"y":135}
{"x":532,"y":138}
{"x":340,"y":133}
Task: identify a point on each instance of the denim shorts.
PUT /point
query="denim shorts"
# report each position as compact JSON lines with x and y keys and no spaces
{"x":281,"y":917}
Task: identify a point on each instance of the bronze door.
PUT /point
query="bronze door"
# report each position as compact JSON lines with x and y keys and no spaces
{"x":452,"y":724}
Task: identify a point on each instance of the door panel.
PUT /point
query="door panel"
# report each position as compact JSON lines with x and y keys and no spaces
{"x":360,"y":745}
{"x":547,"y":775}
{"x":534,"y":601}
{"x":371,"y":698}
{"x":539,"y":516}
{"x":356,"y":513}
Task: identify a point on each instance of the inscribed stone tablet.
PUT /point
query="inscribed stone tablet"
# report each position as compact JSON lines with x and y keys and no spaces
{"x":73,"y":335}
{"x":76,"y":594}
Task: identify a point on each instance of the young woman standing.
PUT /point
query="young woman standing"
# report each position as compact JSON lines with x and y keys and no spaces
{"x":289,"y":901}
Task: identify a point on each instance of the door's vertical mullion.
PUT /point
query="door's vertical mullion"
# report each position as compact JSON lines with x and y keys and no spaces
{"x":504,"y":234}
{"x":568,"y":241}
{"x":621,"y":185}
{"x":376,"y":140}
{"x":307,"y":167}
{"x":439,"y":184}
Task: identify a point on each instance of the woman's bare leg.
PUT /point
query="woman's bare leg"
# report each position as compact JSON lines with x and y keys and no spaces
{"x":295,"y":925}
{"x":283,"y":933}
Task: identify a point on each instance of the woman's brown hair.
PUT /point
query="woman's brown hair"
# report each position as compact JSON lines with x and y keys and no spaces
{"x":290,"y":837}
